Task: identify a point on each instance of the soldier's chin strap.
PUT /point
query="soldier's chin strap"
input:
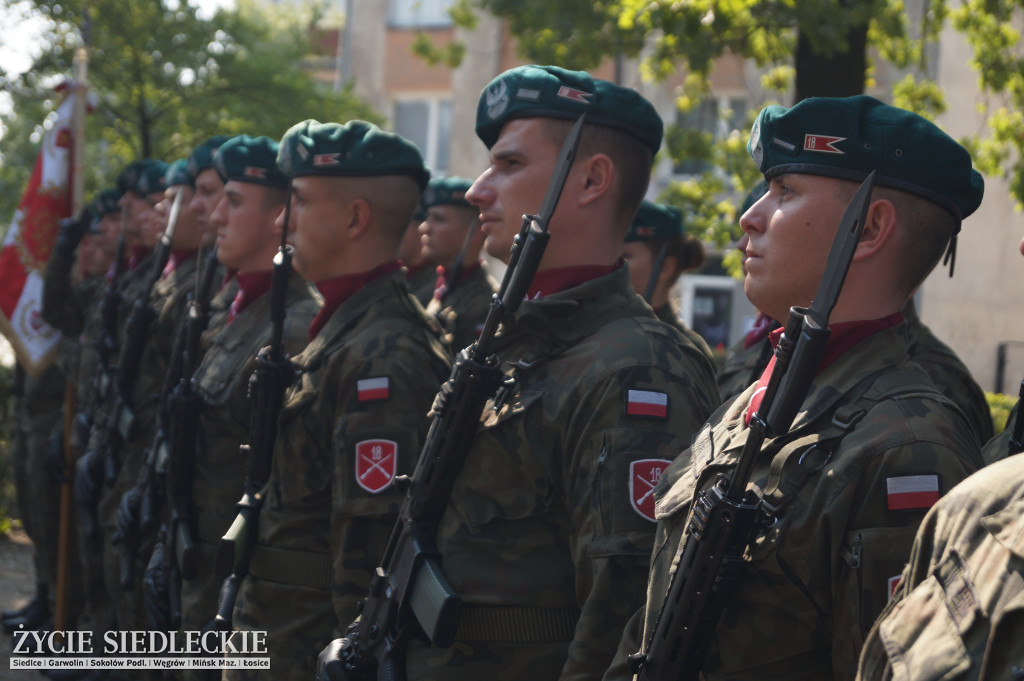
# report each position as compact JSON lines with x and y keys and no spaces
{"x":950,"y":256}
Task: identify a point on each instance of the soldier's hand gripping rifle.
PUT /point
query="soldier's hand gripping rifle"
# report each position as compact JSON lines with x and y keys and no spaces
{"x":121,"y":418}
{"x":409,"y":594}
{"x":724,"y":519}
{"x":267,"y":386}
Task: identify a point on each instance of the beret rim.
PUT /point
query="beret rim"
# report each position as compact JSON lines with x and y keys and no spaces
{"x":418,"y":177}
{"x":859,"y":175}
{"x":566,"y":116}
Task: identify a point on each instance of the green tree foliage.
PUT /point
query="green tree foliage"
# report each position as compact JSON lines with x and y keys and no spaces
{"x":805,"y":48}
{"x":164,"y":79}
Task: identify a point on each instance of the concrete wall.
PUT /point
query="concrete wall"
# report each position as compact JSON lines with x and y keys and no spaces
{"x":980,"y":307}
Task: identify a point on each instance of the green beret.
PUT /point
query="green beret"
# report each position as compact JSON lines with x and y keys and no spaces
{"x":106,"y":202}
{"x":250,"y":159}
{"x":554,"y":92}
{"x":849,"y":137}
{"x":151,"y":179}
{"x":128,"y":179}
{"x":201,"y":157}
{"x":355,"y":149}
{"x":447,"y":191}
{"x":655,"y":222}
{"x":177,"y":173}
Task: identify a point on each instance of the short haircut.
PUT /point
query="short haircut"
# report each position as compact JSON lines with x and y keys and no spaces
{"x":631,"y":157}
{"x":272,"y":198}
{"x":392,"y":198}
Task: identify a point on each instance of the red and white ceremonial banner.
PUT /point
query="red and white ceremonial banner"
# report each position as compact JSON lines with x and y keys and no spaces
{"x":30,"y":238}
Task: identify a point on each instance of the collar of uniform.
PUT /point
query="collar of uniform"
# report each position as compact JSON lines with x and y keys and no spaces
{"x":560,"y":279}
{"x":177,"y":256}
{"x":762,"y":326}
{"x":412,"y":270}
{"x":442,"y":277}
{"x":251,"y":285}
{"x":337,"y":290}
{"x":138,"y":254}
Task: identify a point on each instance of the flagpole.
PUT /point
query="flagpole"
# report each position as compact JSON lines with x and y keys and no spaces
{"x":77,"y":190}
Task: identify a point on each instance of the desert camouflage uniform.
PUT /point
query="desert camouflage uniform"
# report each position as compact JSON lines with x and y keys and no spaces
{"x":463,"y":310}
{"x":959,"y":610}
{"x":543,"y":538}
{"x":818,"y":577}
{"x":222,"y":383}
{"x":666,"y":314}
{"x":321,"y":530}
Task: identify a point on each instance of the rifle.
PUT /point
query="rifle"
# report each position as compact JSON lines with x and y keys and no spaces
{"x":183,"y":410}
{"x":455,"y":271}
{"x":408,"y":593}
{"x":100,"y":389}
{"x":121,"y":418}
{"x":724,"y":519}
{"x":274,"y":373}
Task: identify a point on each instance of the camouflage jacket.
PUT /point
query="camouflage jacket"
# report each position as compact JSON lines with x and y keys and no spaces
{"x":222,"y":383}
{"x":421,"y":283}
{"x":959,"y":609}
{"x":668,"y":315}
{"x":873,"y":445}
{"x":549,"y":528}
{"x":949,"y":374}
{"x":355,"y":419}
{"x":464,"y":309}
{"x":742,"y":366}
{"x":998,"y":448}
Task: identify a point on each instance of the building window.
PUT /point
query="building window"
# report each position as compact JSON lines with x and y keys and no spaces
{"x":420,"y":13}
{"x":717,"y":116}
{"x":427,"y":123}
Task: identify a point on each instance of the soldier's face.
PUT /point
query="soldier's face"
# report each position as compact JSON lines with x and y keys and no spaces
{"x":444,"y":231}
{"x":187,"y":233}
{"x":410,"y":248}
{"x":110,"y":228}
{"x":522,"y":161}
{"x":244,"y":222}
{"x":790,"y":230}
{"x":132,"y":206}
{"x":153,"y":220}
{"x":314,"y":228}
{"x":208,"y":192}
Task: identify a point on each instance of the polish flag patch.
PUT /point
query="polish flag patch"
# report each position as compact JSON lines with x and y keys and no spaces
{"x":376,"y":464}
{"x":892,"y":584}
{"x":643,"y":478}
{"x":911,"y":492}
{"x":373,"y":389}
{"x":574,"y":94}
{"x":647,"y":403}
{"x":823,"y":143}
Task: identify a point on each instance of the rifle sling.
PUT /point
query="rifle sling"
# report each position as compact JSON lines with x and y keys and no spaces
{"x":519,"y":625}
{"x":299,"y":568}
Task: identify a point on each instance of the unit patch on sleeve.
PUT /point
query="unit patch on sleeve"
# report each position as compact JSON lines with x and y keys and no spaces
{"x":643,"y":478}
{"x":647,"y":403}
{"x":373,"y":389}
{"x":911,"y":492}
{"x":376,"y":464}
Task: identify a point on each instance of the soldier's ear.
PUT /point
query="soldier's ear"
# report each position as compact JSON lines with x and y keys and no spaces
{"x":597,"y":177}
{"x":879,"y":228}
{"x":359,"y":216}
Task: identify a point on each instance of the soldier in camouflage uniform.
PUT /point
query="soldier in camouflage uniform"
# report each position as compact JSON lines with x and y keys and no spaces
{"x":547,"y":534}
{"x":874,"y":443}
{"x":357,"y":414}
{"x":420,"y":271}
{"x":658,"y":252}
{"x":958,"y":613}
{"x":450,"y":234}
{"x":247,"y":240}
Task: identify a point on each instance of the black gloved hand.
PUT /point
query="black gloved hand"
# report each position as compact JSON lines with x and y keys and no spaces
{"x":53,"y":458}
{"x":329,"y":666}
{"x":155,"y":595}
{"x":70,"y":232}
